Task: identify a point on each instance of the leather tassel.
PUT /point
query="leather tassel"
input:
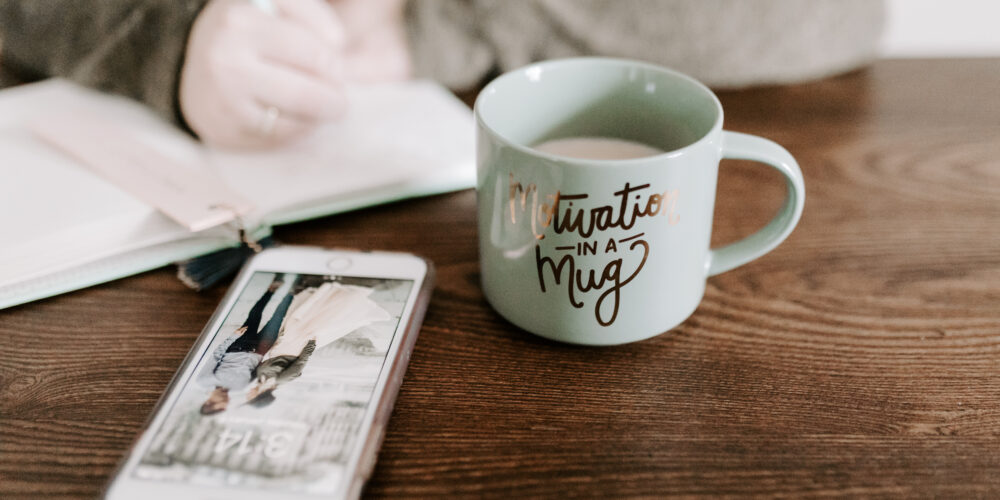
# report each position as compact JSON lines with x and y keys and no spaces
{"x":205,"y":271}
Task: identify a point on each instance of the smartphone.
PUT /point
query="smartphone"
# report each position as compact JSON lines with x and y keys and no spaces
{"x":287,"y":392}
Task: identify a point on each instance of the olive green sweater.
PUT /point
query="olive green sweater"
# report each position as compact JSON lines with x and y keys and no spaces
{"x":129,"y":47}
{"x":136,"y":47}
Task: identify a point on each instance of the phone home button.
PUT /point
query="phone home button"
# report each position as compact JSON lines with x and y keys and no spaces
{"x":338,"y":263}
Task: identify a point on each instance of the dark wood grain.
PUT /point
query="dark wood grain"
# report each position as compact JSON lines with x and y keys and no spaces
{"x":860,"y":358}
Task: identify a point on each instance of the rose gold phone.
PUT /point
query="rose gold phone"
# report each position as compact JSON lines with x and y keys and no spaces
{"x":288,"y":389}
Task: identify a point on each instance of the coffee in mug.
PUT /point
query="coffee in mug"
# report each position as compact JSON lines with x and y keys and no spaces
{"x":595,"y":191}
{"x":597,"y":148}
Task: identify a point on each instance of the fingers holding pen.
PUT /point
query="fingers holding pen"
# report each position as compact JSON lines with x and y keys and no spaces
{"x":283,"y":43}
{"x":294,"y":93}
{"x":253,"y":78}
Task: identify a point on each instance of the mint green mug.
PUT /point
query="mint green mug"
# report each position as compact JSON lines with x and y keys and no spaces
{"x":602,"y":252}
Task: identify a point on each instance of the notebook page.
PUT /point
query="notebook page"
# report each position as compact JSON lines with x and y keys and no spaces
{"x":54,"y":213}
{"x":396,"y":141}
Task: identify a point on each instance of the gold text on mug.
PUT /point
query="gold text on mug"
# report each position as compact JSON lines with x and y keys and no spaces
{"x":557,"y":211}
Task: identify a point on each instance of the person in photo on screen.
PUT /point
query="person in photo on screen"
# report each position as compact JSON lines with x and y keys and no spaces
{"x":317,"y":317}
{"x":239,"y":75}
{"x":233,"y":362}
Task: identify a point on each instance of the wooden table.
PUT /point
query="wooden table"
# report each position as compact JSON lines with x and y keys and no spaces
{"x":862,"y":357}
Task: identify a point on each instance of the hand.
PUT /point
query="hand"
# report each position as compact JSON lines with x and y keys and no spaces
{"x":252,"y":79}
{"x":262,"y":387}
{"x":376,"y":49}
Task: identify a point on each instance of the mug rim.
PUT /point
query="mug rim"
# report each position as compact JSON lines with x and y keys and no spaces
{"x":490,"y":89}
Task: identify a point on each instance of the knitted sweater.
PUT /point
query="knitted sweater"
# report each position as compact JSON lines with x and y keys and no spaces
{"x":136,"y":47}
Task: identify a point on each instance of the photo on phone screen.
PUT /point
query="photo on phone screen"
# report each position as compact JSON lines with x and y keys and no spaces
{"x":277,"y":399}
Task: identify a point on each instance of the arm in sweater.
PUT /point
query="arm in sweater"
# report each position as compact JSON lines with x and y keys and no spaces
{"x":133,"y":48}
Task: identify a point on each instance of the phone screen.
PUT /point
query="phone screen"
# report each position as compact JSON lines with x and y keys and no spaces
{"x":277,"y":400}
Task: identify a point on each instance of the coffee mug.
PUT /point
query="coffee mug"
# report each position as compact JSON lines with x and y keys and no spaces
{"x":608,"y":251}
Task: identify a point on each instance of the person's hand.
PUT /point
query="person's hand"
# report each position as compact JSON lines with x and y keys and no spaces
{"x":262,"y":387}
{"x":376,"y":49}
{"x":253,"y":79}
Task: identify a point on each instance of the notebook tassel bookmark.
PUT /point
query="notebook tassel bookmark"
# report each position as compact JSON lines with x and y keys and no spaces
{"x":205,"y":271}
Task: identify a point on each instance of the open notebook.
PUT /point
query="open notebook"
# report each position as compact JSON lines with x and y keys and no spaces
{"x":65,"y":227}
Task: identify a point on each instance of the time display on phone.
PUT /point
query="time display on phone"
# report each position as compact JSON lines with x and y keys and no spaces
{"x":274,"y":445}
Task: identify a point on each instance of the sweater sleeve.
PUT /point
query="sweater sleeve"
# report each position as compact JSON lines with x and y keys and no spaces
{"x":220,"y":351}
{"x":295,"y":368}
{"x":725,"y":43}
{"x":133,"y":48}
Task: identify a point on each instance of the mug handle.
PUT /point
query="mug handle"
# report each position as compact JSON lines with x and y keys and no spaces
{"x":737,"y":146}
